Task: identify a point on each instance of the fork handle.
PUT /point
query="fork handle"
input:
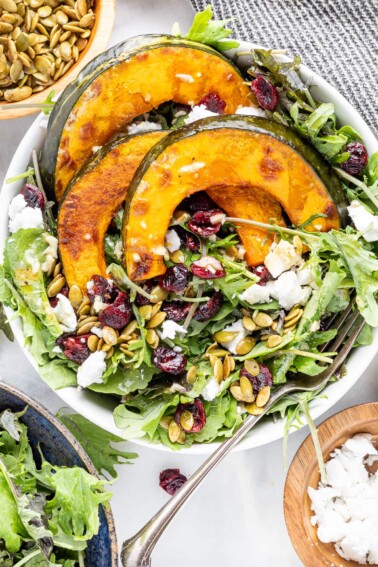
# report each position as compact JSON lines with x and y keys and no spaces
{"x":136,"y":551}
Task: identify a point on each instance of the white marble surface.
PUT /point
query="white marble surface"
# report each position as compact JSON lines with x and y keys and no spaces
{"x":236,"y":518}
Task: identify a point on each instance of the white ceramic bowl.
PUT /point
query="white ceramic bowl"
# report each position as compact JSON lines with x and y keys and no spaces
{"x":98,"y":408}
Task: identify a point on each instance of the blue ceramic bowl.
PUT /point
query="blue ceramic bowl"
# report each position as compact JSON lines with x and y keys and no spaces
{"x":61,"y":448}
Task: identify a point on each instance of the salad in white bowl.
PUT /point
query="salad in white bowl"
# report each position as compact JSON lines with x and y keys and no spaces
{"x":181,"y":249}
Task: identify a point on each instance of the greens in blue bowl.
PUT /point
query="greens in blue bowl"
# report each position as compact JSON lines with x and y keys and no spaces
{"x":54,"y":507}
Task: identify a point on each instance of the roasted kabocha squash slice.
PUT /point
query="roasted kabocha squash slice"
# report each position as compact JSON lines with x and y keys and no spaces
{"x":230,"y":151}
{"x":124,"y":82}
{"x":91,"y":201}
{"x":253,"y":204}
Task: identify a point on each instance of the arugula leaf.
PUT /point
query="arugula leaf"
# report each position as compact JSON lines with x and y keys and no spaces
{"x":96,"y":442}
{"x":11,"y":528}
{"x":372,"y":169}
{"x":208,"y":31}
{"x":74,"y":507}
{"x":215,"y":418}
{"x":142,"y":414}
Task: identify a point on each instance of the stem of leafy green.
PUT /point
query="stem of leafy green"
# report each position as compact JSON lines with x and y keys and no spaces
{"x":359,"y":184}
{"x":274,"y":227}
{"x":314,"y":434}
{"x":27,"y":558}
{"x":27,"y":173}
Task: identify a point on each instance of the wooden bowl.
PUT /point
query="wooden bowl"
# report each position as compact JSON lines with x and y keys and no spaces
{"x":304,"y":472}
{"x":97,"y":42}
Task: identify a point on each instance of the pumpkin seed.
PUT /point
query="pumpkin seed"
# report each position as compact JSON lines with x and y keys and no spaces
{"x":43,"y":64}
{"x":245,"y":345}
{"x":236,"y":392}
{"x":86,"y":327}
{"x":110,"y":353}
{"x":65,"y":51}
{"x":87,"y":21}
{"x":177,"y":257}
{"x":14,"y":19}
{"x":216,"y":352}
{"x":16,"y":71}
{"x":156,"y":308}
{"x":293,"y":313}
{"x":22,"y":42}
{"x":252,"y":367}
{"x":182,"y":437}
{"x":106,"y":348}
{"x":218,"y":370}
{"x":232,"y":252}
{"x":165,"y":421}
{"x":156,"y":320}
{"x":109,"y":335}
{"x":92,"y":343}
{"x":253,"y":409}
{"x":81,"y":7}
{"x":85,"y":307}
{"x":180,"y":216}
{"x":8,"y":6}
{"x":44,"y":11}
{"x":17,"y":94}
{"x":59,"y":281}
{"x":130,"y":327}
{"x":228,"y":366}
{"x":158,"y":294}
{"x":173,"y":431}
{"x":123,"y":348}
{"x":273,"y":341}
{"x":85,"y":319}
{"x":298,"y":246}
{"x":5,"y":27}
{"x":263,"y":396}
{"x":186,"y":420}
{"x":145,"y":311}
{"x":294,"y":320}
{"x":75,"y":296}
{"x":35,"y":3}
{"x":262,"y":319}
{"x":191,"y":375}
{"x":248,"y":323}
{"x":246,"y":387}
{"x":152,"y":338}
{"x":224,"y":336}
{"x":81,"y":44}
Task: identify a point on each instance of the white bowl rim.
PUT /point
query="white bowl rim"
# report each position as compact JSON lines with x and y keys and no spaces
{"x":84,"y":402}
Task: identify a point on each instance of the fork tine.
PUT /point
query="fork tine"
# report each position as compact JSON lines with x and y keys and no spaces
{"x":347,"y":347}
{"x":344,"y":330}
{"x":337,"y":321}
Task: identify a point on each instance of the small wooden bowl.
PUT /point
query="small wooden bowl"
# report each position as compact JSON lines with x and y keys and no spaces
{"x":97,"y":42}
{"x":304,"y":472}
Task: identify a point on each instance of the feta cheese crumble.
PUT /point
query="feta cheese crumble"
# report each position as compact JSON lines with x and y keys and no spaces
{"x":198,"y":112}
{"x":65,"y":314}
{"x":256,"y":294}
{"x":345,"y":509}
{"x":92,"y":369}
{"x":192,"y":167}
{"x":211,"y":390}
{"x":170,"y":329}
{"x":250,"y":111}
{"x":143,"y":127}
{"x":51,"y":252}
{"x":185,"y":78}
{"x":281,"y":257}
{"x":241,"y":333}
{"x":365,"y":222}
{"x":172,"y":241}
{"x":288,"y":292}
{"x":22,"y":216}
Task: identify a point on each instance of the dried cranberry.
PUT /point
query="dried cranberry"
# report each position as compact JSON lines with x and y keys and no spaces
{"x":147,"y":286}
{"x":171,"y":480}
{"x":264,"y":378}
{"x":263,"y":273}
{"x":103,"y":288}
{"x":118,"y":314}
{"x":213,"y":102}
{"x":202,"y":222}
{"x":75,"y":348}
{"x":198,"y":412}
{"x":208,"y":268}
{"x":265,"y":92}
{"x":357,"y":160}
{"x":188,"y":239}
{"x":176,"y":278}
{"x":209,"y":309}
{"x":169,"y":361}
{"x":199,"y":201}
{"x":54,"y":300}
{"x":176,"y":310}
{"x":33,"y":196}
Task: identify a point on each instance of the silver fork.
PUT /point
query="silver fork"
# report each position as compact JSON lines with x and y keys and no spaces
{"x":136,"y":551}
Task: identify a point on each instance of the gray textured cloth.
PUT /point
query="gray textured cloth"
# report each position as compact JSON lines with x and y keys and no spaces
{"x":336,"y":38}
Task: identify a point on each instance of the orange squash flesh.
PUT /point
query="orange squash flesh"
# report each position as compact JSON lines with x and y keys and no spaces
{"x":90,"y":202}
{"x":135,"y":86}
{"x":252,"y":204}
{"x":230,"y":157}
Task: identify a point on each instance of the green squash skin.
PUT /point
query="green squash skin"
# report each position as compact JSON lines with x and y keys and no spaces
{"x":254,"y":124}
{"x":71,"y":94}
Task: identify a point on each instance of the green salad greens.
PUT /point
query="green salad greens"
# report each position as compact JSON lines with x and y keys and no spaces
{"x":50,"y":512}
{"x":188,"y":355}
